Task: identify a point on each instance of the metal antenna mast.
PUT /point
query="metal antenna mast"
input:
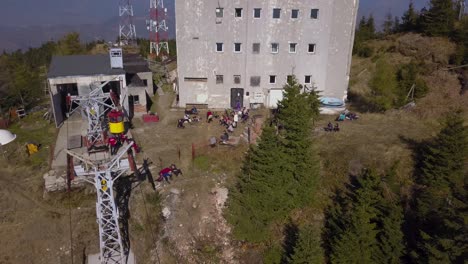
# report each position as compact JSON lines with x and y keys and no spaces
{"x":127,"y":33}
{"x":103,"y":176}
{"x":157,"y":28}
{"x":94,"y":106}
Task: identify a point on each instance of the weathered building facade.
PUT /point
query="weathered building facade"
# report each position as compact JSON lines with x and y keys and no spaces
{"x":130,"y":78}
{"x":241,"y":52}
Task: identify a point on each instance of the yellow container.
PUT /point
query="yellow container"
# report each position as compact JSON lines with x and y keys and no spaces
{"x":116,"y":128}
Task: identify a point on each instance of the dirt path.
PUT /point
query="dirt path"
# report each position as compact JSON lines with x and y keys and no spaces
{"x":194,"y":229}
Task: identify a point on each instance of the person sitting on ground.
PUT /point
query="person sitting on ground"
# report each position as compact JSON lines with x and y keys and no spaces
{"x":187,"y":117}
{"x":225,"y":136}
{"x":329,"y":126}
{"x":165,"y":174}
{"x":209,"y":116}
{"x":212,"y":142}
{"x":230,"y":128}
{"x":236,"y":118}
{"x":180,"y":123}
{"x":176,"y":170}
{"x":194,"y":110}
{"x":336,"y":128}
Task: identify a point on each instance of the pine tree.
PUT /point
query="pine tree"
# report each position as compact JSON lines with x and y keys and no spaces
{"x":308,"y":249}
{"x":295,"y":115}
{"x":440,"y":18}
{"x":260,"y":196}
{"x":390,"y":237}
{"x":441,"y":205}
{"x":396,"y":25}
{"x":387,"y":25}
{"x":409,"y":19}
{"x":370,"y":24}
{"x":383,"y":86}
{"x":357,"y":240}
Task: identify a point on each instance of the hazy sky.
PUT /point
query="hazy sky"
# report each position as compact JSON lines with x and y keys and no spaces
{"x":56,"y":12}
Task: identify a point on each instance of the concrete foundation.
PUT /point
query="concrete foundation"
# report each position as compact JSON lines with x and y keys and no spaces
{"x":94,"y":259}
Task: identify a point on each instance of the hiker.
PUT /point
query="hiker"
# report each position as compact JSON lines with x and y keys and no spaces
{"x":176,"y":170}
{"x":336,"y":128}
{"x":165,"y":173}
{"x":113,"y":145}
{"x":329,"y":126}
{"x":180,"y":123}
{"x":225,"y":136}
{"x":209,"y":116}
{"x":230,"y":128}
{"x":213,"y":142}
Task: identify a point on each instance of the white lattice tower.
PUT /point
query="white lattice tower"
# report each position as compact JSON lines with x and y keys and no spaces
{"x":103,"y":176}
{"x":127,"y":32}
{"x":94,"y":105}
{"x":158,"y":28}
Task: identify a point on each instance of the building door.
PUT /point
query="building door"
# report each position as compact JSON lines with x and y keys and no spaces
{"x":237,"y":98}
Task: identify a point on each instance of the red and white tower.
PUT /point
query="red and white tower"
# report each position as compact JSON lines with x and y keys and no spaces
{"x":158,"y":29}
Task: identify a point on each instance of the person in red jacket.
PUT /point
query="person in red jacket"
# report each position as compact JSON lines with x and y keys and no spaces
{"x":113,"y":145}
{"x":165,"y":173}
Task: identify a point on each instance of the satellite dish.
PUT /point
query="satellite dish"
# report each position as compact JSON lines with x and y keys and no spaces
{"x":6,"y":137}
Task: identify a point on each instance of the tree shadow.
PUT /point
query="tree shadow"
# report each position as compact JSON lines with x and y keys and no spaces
{"x":291,"y":233}
{"x":360,"y":102}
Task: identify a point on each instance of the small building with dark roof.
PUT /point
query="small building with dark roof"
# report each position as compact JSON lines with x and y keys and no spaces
{"x":128,"y":76}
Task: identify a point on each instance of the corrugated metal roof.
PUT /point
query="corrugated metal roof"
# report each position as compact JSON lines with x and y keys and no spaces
{"x":81,"y":65}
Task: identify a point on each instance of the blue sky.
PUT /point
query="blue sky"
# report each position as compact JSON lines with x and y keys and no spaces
{"x":72,"y":12}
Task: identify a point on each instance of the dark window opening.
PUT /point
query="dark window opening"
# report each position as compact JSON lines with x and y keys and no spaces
{"x":195,"y":79}
{"x":257,"y":12}
{"x":237,"y":79}
{"x":308,"y":79}
{"x":219,"y":12}
{"x":311,"y":48}
{"x":272,"y":79}
{"x":219,"y":79}
{"x":256,"y":48}
{"x":238,"y":12}
{"x":295,"y":13}
{"x":276,"y":12}
{"x":255,"y":81}
{"x":237,"y":47}
{"x":135,"y":99}
{"x":314,"y":13}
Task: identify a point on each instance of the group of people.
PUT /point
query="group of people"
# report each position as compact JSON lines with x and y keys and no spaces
{"x":116,"y":141}
{"x":167,"y":173}
{"x":187,"y":118}
{"x":331,"y":128}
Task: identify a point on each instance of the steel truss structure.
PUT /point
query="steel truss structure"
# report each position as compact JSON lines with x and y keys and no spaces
{"x":157,"y":27}
{"x":94,"y":106}
{"x":103,"y":176}
{"x":127,"y":32}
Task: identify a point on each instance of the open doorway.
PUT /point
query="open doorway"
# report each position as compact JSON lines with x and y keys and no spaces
{"x":237,"y":98}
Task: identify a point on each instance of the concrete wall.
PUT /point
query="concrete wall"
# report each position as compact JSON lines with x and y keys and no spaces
{"x":148,"y":76}
{"x":198,"y":31}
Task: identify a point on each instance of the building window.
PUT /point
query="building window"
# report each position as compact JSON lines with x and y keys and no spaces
{"x":135,"y":99}
{"x":219,"y":47}
{"x":238,"y":12}
{"x":195,"y":79}
{"x":257,"y":12}
{"x":290,"y":78}
{"x":237,"y":47}
{"x":276,"y":12}
{"x":311,"y":48}
{"x":272,"y":79}
{"x":219,"y":12}
{"x":255,"y":81}
{"x":314,"y":13}
{"x":237,"y":79}
{"x":274,"y":47}
{"x":256,"y":48}
{"x":219,"y":79}
{"x":295,"y":13}
{"x":292,"y":47}
{"x":308,"y":79}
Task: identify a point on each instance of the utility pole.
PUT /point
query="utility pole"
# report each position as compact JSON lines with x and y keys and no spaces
{"x":158,"y":29}
{"x":127,"y":33}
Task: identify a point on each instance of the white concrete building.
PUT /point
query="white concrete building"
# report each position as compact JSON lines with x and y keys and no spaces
{"x":129,"y":77}
{"x":234,"y":52}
